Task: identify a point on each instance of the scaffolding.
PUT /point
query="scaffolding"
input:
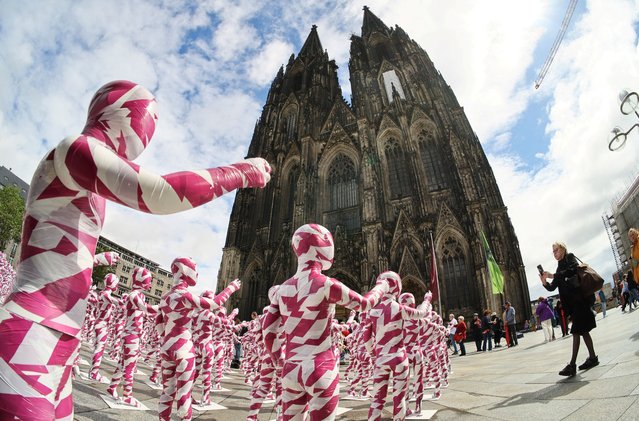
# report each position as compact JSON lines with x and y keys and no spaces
{"x":616,"y":244}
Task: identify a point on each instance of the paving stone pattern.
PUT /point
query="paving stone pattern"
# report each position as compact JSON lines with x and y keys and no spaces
{"x":519,"y":383}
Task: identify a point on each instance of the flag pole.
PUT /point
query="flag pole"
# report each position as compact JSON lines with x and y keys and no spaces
{"x":439,"y":291}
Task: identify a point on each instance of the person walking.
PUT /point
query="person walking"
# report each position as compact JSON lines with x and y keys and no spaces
{"x":625,"y":292}
{"x":475,"y":328}
{"x":619,"y":289}
{"x":497,"y":326}
{"x":633,"y":289}
{"x":602,"y":300}
{"x":577,"y":306}
{"x":460,"y":335}
{"x":510,"y":320}
{"x":452,"y":327}
{"x":615,"y":293}
{"x":487,"y":331}
{"x":545,"y":314}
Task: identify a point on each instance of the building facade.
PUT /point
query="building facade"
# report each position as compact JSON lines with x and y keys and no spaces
{"x":383,"y":173}
{"x":162,"y":280}
{"x":624,"y":215}
{"x":8,"y":179}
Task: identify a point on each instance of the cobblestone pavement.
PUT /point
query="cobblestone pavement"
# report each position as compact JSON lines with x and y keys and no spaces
{"x":519,"y":383}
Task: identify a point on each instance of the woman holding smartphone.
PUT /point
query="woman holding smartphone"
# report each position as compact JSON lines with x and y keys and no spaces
{"x":575,"y":305}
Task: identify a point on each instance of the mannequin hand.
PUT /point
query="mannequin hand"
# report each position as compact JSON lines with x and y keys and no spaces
{"x":236,"y":284}
{"x":257,"y":173}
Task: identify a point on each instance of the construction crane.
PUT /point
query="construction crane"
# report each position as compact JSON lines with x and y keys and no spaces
{"x":555,"y":46}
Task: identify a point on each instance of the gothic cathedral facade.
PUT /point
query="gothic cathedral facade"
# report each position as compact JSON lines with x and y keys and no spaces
{"x":384,"y":174}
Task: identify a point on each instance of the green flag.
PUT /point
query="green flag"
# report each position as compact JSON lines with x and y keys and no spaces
{"x":496,"y":277}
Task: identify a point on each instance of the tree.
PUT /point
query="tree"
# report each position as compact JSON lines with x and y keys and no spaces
{"x":11,"y":214}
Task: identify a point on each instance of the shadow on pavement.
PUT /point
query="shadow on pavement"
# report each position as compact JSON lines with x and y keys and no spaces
{"x":561,"y":388}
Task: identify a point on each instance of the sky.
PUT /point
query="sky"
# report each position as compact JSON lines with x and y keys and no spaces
{"x":210,"y":64}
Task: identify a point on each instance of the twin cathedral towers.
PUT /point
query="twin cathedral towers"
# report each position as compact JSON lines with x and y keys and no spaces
{"x":382,"y":174}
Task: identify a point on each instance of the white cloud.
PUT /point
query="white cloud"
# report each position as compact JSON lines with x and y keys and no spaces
{"x":263,"y":67}
{"x":566,"y":198}
{"x":208,"y":63}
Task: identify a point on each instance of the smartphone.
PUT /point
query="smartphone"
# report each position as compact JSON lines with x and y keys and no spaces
{"x":540,"y":269}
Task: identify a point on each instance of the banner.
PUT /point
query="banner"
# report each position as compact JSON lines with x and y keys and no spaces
{"x":496,"y":277}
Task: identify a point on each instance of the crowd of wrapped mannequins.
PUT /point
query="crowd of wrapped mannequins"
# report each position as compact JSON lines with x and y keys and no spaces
{"x":127,"y":328}
{"x":52,"y":306}
{"x":390,"y":334}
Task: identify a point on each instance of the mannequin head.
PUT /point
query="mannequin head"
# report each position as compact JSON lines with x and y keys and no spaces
{"x":184,"y":272}
{"x":407,"y":299}
{"x":313,"y":245}
{"x":394,"y":282}
{"x":110,"y":282}
{"x":141,"y":278}
{"x":122,"y":115}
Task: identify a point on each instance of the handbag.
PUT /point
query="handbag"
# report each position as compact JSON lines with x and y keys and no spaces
{"x":589,"y":280}
{"x":573,"y":282}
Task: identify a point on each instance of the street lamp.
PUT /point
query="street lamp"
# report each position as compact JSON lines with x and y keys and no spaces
{"x":629,"y":104}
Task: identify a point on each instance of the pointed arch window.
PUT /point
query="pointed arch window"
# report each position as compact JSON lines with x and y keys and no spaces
{"x":432,"y":161}
{"x":397,"y":161}
{"x":343,"y":195}
{"x":342,"y":183}
{"x":458,"y":291}
{"x":291,"y":125}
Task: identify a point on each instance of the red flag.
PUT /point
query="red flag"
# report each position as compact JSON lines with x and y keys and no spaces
{"x":434,"y":279}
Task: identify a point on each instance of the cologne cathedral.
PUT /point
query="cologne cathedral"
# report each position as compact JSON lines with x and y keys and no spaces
{"x":397,"y":166}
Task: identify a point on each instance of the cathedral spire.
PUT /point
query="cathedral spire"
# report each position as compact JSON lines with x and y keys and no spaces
{"x":312,"y":46}
{"x":373,"y":24}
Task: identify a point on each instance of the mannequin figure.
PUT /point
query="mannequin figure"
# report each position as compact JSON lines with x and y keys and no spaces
{"x":387,"y":325}
{"x":305,"y":305}
{"x":63,"y":220}
{"x":135,"y":309}
{"x":105,"y":309}
{"x":175,"y":323}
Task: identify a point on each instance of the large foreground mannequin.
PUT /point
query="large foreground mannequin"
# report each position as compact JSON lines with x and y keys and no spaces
{"x":41,"y":320}
{"x":305,"y":305}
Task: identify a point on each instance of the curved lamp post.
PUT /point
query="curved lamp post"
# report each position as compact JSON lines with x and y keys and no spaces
{"x":629,"y":104}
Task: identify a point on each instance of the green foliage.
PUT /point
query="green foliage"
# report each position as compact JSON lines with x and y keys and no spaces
{"x":11,"y":214}
{"x":99,"y":272}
